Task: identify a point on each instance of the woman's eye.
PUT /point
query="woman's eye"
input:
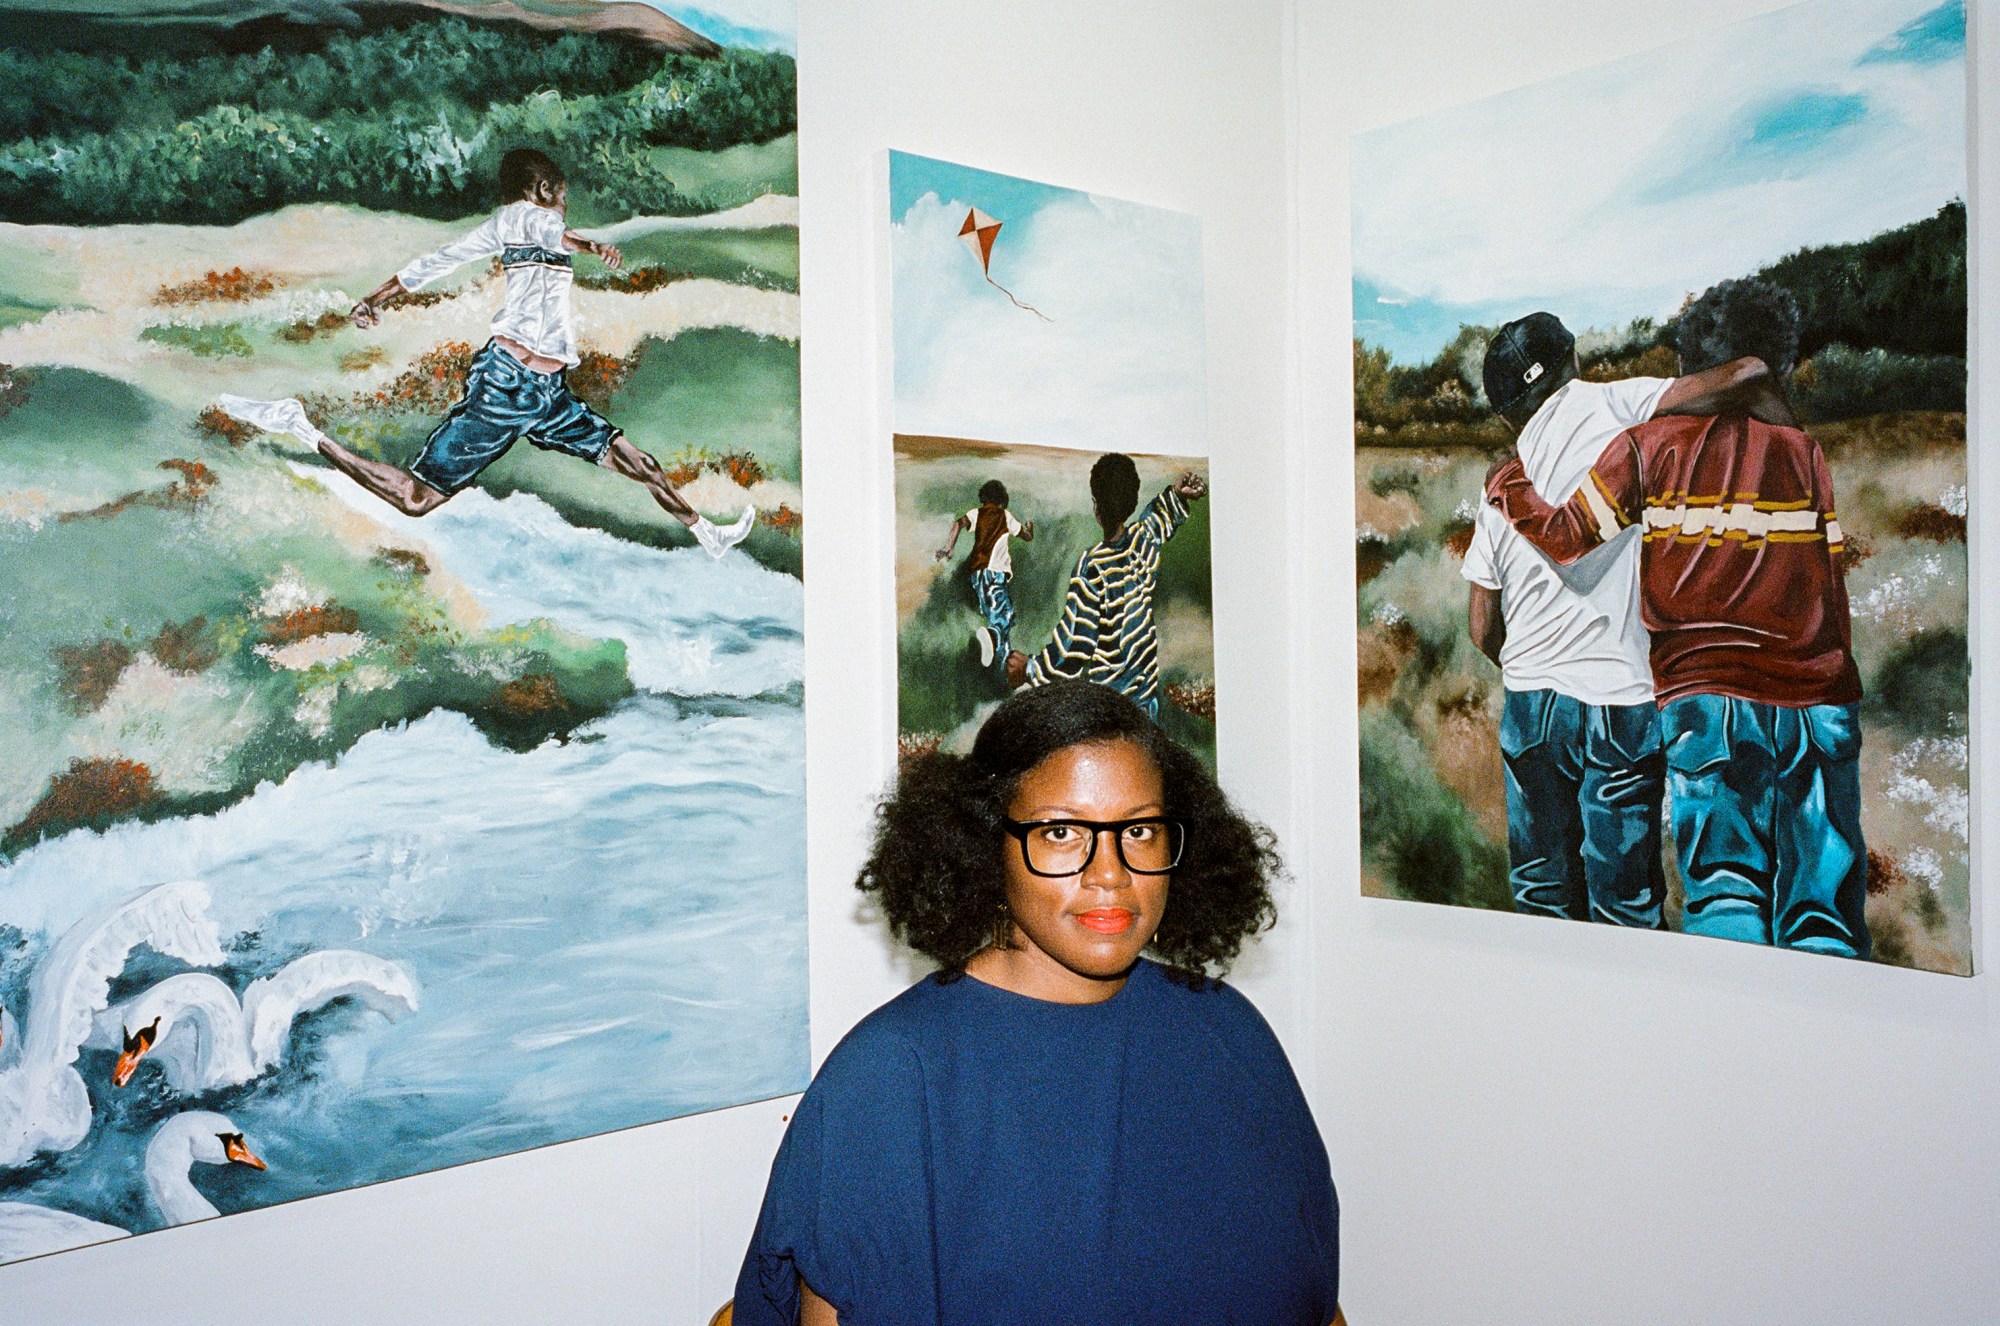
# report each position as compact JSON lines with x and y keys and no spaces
{"x":1058,"y":833}
{"x":1141,"y":833}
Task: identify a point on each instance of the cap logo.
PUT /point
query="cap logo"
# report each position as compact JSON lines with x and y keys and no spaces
{"x":1534,"y":371}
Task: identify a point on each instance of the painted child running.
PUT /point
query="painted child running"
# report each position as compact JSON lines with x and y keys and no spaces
{"x":991,"y":564}
{"x":1107,"y":633}
{"x":516,"y":387}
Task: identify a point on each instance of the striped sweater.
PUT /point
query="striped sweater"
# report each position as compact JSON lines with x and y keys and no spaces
{"x":1106,"y":633}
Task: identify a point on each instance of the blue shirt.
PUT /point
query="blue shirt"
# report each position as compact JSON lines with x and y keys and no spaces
{"x":967,"y":1156}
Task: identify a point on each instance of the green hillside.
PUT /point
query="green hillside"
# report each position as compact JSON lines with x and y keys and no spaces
{"x":1883,"y":328}
{"x":410,"y":117}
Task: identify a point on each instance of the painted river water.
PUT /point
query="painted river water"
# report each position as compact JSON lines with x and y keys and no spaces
{"x":604,"y":932}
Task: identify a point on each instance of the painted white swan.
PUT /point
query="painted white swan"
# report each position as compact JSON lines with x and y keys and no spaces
{"x":204,"y":1038}
{"x":196,"y":1135}
{"x":43,"y":1103}
{"x":27,"y":1230}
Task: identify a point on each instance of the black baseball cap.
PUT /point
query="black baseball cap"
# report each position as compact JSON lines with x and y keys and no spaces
{"x":1523,"y":358}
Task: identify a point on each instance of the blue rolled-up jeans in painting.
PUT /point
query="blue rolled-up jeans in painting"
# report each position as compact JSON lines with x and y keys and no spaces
{"x":1583,"y":808}
{"x":1767,"y":821}
{"x":996,"y":604}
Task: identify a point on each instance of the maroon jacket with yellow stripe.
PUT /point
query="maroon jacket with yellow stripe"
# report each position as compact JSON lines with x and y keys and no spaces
{"x":1739,"y":577}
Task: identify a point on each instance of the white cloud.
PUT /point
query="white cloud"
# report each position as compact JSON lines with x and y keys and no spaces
{"x":1540,"y":192}
{"x":1119,"y":365}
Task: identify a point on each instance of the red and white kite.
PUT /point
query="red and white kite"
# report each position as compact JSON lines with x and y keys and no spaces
{"x":979,"y":232}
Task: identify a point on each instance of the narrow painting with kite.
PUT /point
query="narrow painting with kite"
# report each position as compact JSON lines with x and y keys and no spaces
{"x":1050,"y":464}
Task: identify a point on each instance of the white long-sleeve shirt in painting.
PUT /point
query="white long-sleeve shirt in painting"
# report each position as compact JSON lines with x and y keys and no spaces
{"x":528,"y":240}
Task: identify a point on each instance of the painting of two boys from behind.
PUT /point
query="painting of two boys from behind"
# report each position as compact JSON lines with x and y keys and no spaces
{"x":1446,"y":747}
{"x":1661,"y":491}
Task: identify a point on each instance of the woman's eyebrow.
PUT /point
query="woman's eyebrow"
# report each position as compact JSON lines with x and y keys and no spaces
{"x":1060,"y":812}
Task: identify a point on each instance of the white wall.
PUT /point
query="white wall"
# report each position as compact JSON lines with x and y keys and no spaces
{"x":1175,"y":105}
{"x":1539,"y":1123}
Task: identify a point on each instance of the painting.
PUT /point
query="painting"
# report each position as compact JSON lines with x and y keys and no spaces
{"x":400,"y":568}
{"x":1050,"y":418}
{"x":1661,"y":491}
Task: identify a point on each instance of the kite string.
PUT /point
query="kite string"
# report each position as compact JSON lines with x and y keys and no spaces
{"x":1017,"y":303}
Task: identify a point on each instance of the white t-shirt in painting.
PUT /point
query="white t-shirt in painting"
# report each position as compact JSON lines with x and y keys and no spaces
{"x":1571,"y":629}
{"x":1001,"y":559}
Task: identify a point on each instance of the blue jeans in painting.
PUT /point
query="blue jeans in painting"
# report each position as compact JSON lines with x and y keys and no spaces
{"x":1583,"y":809}
{"x":996,"y":605}
{"x":1767,"y":821}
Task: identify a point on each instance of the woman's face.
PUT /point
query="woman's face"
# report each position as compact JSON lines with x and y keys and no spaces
{"x":1076,"y":936}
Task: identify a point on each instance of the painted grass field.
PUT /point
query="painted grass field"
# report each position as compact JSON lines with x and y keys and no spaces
{"x":943,"y":694}
{"x":1433,"y":803}
{"x":190,"y":612}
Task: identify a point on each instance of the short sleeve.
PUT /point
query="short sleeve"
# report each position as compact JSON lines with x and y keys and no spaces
{"x":847,"y":1208}
{"x":1633,"y":400}
{"x":1481,"y":565}
{"x":972,"y":517}
{"x":1270,"y":1080}
{"x":1013,"y":525}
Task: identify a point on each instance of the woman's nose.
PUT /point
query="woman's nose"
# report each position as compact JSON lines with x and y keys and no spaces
{"x":1106,"y":869}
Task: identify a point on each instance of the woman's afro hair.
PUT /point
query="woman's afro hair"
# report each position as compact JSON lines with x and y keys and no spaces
{"x":937,"y":872}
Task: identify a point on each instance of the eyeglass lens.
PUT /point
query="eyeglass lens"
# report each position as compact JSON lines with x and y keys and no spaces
{"x":1065,"y":847}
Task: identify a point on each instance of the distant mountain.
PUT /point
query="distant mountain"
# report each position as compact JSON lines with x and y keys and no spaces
{"x":617,"y":16}
{"x":150,"y":25}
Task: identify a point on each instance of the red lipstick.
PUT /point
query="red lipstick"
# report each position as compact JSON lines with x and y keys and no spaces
{"x":1107,"y":920}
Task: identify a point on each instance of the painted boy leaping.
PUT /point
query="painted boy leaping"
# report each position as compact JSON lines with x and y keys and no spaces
{"x":516,"y":387}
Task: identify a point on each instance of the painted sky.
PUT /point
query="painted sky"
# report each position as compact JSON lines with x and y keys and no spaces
{"x":1119,"y":363}
{"x":771,"y":25}
{"x":1613,"y":192}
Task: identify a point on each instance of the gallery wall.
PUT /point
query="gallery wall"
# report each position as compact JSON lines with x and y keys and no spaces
{"x":1534,"y":1122}
{"x":1179,"y":109}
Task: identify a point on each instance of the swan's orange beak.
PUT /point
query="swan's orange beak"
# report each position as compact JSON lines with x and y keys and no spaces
{"x":136,"y":1045}
{"x":239,"y":1151}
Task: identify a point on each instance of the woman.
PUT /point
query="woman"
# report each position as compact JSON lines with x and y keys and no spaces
{"x":1053,"y":1129}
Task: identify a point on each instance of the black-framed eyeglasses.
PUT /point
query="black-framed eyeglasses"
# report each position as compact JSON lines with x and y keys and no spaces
{"x":1149,"y":845}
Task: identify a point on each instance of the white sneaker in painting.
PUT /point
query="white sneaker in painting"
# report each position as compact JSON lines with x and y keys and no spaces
{"x":286,"y":416}
{"x":984,"y":643}
{"x":717,"y":540}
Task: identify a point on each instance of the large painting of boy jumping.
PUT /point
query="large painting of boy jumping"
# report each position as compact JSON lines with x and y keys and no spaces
{"x":1661,"y":492}
{"x":399,"y":463}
